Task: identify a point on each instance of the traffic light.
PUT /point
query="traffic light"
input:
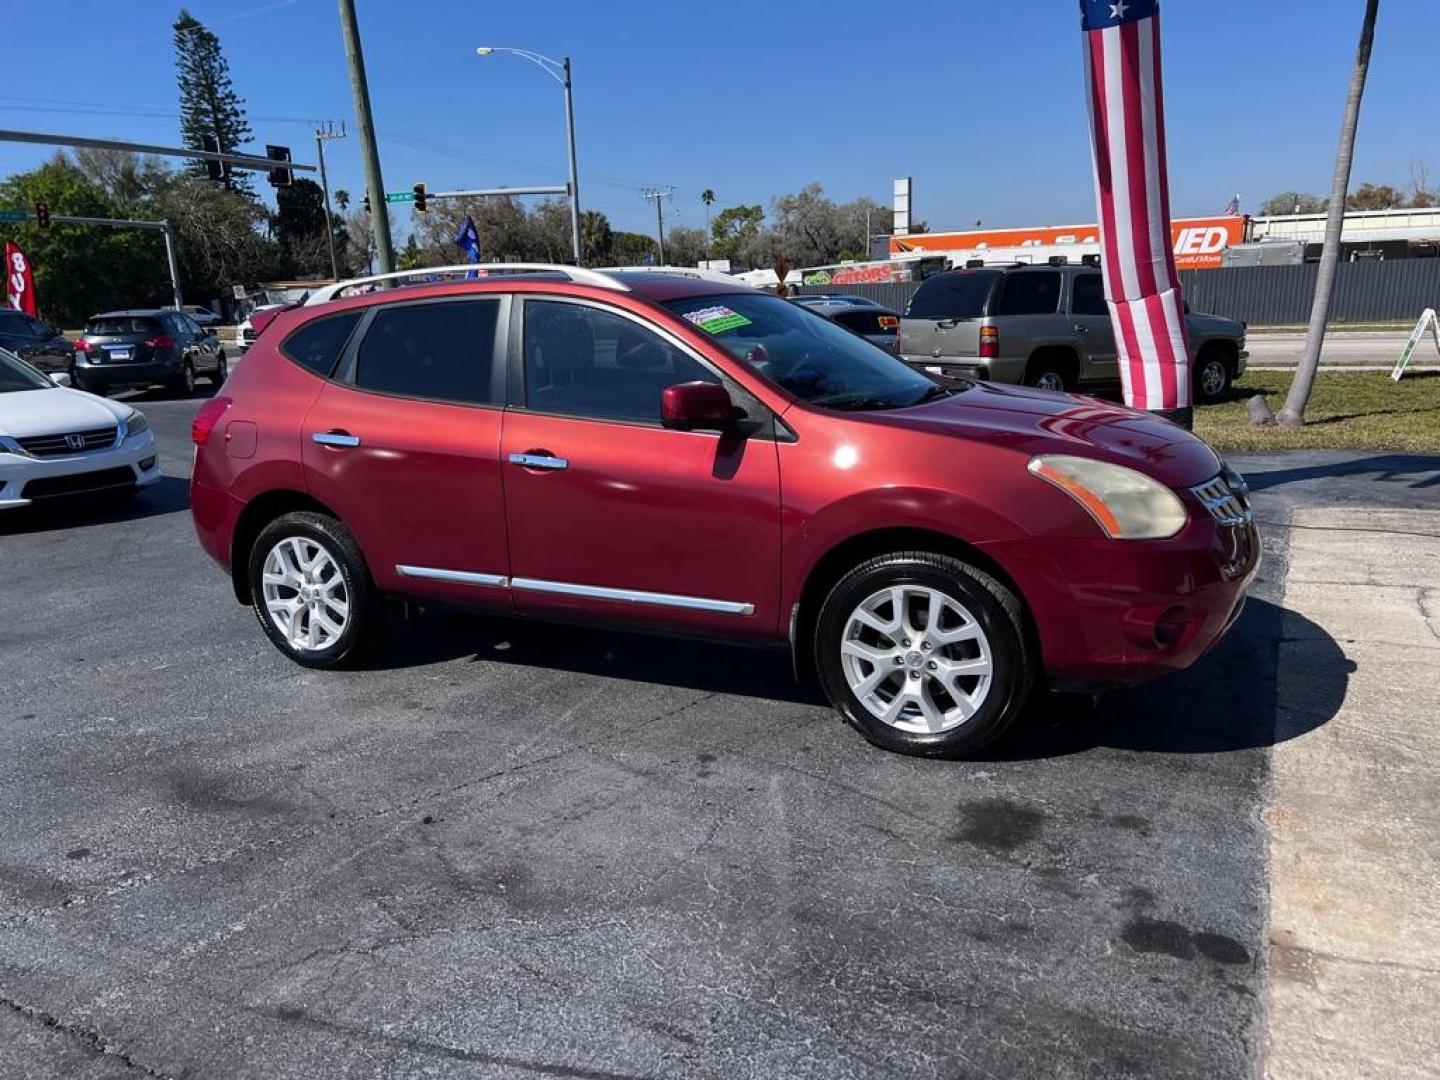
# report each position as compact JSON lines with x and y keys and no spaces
{"x":281,"y":176}
{"x":419,"y":190}
{"x":42,"y":215}
{"x":216,"y":170}
{"x":367,"y":202}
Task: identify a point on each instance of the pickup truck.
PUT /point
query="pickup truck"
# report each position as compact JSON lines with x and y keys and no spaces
{"x":1045,"y":326}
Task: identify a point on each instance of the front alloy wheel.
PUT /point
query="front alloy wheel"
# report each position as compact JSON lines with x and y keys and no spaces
{"x":1212,"y":378}
{"x":312,"y":591}
{"x":924,"y":653}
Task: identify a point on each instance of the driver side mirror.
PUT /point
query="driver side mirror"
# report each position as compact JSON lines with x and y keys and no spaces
{"x":697,"y":406}
{"x":61,"y":378}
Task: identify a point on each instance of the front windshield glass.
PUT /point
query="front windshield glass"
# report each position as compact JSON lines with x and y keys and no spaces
{"x":807,"y":354}
{"x":15,"y":375}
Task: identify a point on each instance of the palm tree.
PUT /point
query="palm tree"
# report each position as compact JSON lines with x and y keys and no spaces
{"x":1293,"y":414}
{"x":342,"y":199}
{"x":707,"y":197}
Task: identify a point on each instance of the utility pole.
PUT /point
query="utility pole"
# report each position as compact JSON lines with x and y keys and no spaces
{"x":658,"y":195}
{"x":325,"y":134}
{"x":574,"y":175}
{"x":369,"y":153}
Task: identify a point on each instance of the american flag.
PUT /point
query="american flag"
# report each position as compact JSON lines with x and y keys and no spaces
{"x":1127,"y":136}
{"x":1232,"y":208}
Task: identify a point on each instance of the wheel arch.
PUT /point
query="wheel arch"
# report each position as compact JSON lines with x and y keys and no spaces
{"x":849,"y":553}
{"x":258,"y":513}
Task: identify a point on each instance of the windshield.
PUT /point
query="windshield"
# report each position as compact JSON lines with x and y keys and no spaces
{"x":807,"y":354}
{"x":15,"y":375}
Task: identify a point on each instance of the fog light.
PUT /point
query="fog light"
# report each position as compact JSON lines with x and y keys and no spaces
{"x":1170,"y":626}
{"x":147,"y":464}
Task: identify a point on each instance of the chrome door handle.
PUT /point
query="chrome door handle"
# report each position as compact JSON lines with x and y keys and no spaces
{"x":539,"y":461}
{"x":1081,"y":328}
{"x":335,"y":438}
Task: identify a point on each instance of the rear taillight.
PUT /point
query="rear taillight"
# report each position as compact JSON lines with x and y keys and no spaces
{"x":160,"y":341}
{"x":81,"y":345}
{"x":206,"y":419}
{"x":989,"y":342}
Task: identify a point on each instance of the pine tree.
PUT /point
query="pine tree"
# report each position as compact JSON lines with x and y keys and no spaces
{"x":208,"y":102}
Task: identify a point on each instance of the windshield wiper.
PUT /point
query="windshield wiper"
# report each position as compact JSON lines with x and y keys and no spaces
{"x":933,"y":392}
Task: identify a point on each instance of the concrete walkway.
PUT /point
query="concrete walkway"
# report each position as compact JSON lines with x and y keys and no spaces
{"x":1354,"y":808}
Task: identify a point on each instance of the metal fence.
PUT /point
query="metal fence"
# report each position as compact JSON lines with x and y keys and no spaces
{"x":1393,"y":291}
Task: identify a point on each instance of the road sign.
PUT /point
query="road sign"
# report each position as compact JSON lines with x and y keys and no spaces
{"x":399,"y":196}
{"x":1428,"y":320}
{"x":14,"y":215}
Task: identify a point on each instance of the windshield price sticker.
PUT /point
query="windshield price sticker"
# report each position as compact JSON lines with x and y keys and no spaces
{"x":717,"y":319}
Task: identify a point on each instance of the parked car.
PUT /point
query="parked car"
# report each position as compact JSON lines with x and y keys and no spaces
{"x":1045,"y":326}
{"x":877,"y":325}
{"x":822,"y":300}
{"x":145,"y":348}
{"x":58,"y":443}
{"x":37,"y":343}
{"x":203,"y":316}
{"x":249,"y":328}
{"x":674,"y":454}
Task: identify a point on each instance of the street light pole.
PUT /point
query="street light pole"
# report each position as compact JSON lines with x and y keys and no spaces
{"x":559,"y":70}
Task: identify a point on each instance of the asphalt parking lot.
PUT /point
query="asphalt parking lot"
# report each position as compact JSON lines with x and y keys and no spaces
{"x":518,"y":850}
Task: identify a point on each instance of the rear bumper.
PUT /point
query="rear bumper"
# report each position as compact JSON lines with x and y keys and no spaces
{"x":146,"y":374}
{"x":27,"y":480}
{"x":1003,"y":369}
{"x":1114,"y":613}
{"x":215,"y":513}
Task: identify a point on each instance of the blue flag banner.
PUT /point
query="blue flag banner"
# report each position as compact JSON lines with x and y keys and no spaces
{"x":468,"y":240}
{"x":1103,"y":14}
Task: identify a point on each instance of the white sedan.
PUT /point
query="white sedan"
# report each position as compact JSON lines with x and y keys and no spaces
{"x":56,"y":442}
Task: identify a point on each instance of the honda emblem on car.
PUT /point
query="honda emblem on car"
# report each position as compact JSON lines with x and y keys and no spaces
{"x":75,"y":442}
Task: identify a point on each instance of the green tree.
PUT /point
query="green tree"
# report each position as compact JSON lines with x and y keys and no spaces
{"x":597,"y":239}
{"x":733,"y":228}
{"x":412,"y":257}
{"x":1370,"y":196}
{"x":209,"y":104}
{"x":633,"y":249}
{"x":342,"y":199}
{"x":684,"y":246}
{"x":1292,"y":202}
{"x":82,"y":269}
{"x":299,"y":226}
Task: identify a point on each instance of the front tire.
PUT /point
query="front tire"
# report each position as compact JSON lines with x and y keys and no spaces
{"x":1212,"y":376}
{"x":924,"y":654}
{"x":312,"y":591}
{"x":222,"y":371}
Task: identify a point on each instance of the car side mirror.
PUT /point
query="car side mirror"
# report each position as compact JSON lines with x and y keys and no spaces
{"x":61,"y":378}
{"x":697,"y":406}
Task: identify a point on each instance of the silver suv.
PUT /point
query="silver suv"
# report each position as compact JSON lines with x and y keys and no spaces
{"x":1044,"y":326}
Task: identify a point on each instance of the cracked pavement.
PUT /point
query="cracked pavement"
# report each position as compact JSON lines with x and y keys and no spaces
{"x":511,"y":849}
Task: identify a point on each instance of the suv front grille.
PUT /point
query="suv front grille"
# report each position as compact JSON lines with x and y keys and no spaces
{"x":1226,"y":498}
{"x":74,"y":442}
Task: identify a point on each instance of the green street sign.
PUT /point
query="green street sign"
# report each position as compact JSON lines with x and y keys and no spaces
{"x":14,"y":215}
{"x":399,"y":196}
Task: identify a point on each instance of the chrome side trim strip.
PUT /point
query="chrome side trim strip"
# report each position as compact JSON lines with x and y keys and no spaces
{"x":633,"y":596}
{"x":463,"y":577}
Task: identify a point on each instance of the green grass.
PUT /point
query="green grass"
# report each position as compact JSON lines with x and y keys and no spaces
{"x":1349,"y":410}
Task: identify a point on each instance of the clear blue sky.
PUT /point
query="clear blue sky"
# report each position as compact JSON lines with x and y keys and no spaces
{"x":978,"y":100}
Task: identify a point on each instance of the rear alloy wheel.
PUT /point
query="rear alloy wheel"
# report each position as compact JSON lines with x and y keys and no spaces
{"x":924,"y":654}
{"x":311,"y":589}
{"x":222,"y":371}
{"x":1046,"y":373}
{"x":1212,"y":377}
{"x":184,"y":382}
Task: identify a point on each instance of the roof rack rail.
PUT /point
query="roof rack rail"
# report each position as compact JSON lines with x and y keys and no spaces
{"x":717,"y":276}
{"x":578,"y":274}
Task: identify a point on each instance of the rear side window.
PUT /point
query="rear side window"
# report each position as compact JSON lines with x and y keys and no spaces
{"x":1036,"y":293}
{"x":318,"y":344}
{"x":123,"y":324}
{"x":959,"y":295}
{"x":868,"y":322}
{"x":441,"y":351}
{"x":1087,"y":296}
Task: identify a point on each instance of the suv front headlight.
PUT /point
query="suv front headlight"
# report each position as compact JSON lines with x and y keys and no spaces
{"x":1127,"y":504}
{"x":136,"y":423}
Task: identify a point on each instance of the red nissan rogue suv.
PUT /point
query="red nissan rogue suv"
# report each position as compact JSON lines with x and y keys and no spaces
{"x":669,"y":452}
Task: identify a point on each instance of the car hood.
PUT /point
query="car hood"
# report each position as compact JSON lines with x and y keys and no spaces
{"x":1200,"y":322}
{"x":49,"y":412}
{"x":1041,"y":422}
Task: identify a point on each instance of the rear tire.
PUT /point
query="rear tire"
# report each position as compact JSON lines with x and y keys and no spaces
{"x":222,"y":371}
{"x":924,"y":654}
{"x":1212,"y":376}
{"x":184,"y":383}
{"x":312,"y":591}
{"x":1049,"y":373}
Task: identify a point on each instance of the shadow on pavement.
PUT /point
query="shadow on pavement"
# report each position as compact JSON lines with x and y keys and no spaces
{"x":1408,"y":470}
{"x":169,"y":496}
{"x":1225,"y":702}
